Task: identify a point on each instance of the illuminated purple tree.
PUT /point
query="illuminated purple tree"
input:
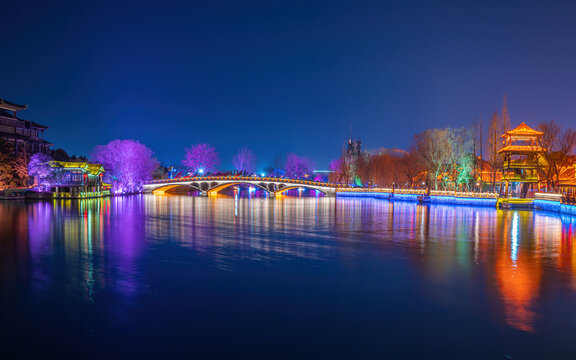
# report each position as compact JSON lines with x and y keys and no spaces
{"x":128,"y":164}
{"x":339,"y":171}
{"x":297,"y":167}
{"x":39,"y":167}
{"x":244,"y":161}
{"x":201,"y":159}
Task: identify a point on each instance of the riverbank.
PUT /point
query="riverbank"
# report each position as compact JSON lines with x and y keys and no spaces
{"x":436,"y":197}
{"x":22,"y":194}
{"x":541,"y":202}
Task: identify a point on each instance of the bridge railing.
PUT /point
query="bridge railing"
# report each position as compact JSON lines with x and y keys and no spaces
{"x":420,"y":192}
{"x":467,"y":194}
{"x":338,"y":187}
{"x":381,"y":190}
{"x":242,"y":178}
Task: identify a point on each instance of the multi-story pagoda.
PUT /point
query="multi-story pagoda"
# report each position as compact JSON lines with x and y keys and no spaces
{"x":26,"y":136}
{"x":521,"y":149}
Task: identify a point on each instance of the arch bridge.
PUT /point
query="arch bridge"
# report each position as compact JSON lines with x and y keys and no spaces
{"x":207,"y":185}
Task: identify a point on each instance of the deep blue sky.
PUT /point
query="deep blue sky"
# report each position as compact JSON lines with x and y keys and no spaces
{"x":282,"y":76}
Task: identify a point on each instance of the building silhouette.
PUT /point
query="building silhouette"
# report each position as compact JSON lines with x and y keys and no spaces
{"x":27,"y":137}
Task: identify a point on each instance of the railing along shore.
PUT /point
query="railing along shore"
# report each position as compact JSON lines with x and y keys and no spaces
{"x":464,"y":194}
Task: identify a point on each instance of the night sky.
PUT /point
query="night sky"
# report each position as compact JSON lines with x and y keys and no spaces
{"x":282,"y":76}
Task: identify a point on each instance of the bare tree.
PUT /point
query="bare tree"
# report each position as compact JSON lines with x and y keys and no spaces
{"x":505,"y":117}
{"x":13,"y":171}
{"x":462,"y":156}
{"x":128,"y":163}
{"x":447,"y":155}
{"x":364,"y":166}
{"x":434,"y":151}
{"x":39,"y":167}
{"x":244,"y":161}
{"x":384,"y":169}
{"x":340,"y":171}
{"x":297,"y":167}
{"x":494,"y":144}
{"x":557,"y":146}
{"x":201,"y":158}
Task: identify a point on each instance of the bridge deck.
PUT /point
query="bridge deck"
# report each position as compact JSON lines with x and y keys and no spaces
{"x":212,"y":184}
{"x":244,"y":178}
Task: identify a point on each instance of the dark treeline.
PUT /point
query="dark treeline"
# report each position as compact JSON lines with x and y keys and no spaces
{"x":456,"y":159}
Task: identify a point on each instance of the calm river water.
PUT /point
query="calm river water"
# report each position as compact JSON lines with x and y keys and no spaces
{"x":189,"y":277}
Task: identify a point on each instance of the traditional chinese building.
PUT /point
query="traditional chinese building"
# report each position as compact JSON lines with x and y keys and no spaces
{"x":487,"y":177}
{"x":567,"y":177}
{"x":521,"y":149}
{"x":76,"y":180}
{"x":26,"y":136}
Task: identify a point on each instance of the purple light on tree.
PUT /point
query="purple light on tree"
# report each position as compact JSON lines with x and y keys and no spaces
{"x":128,"y":163}
{"x":297,"y":167}
{"x":201,"y":159}
{"x":39,"y":167}
{"x":244,"y":161}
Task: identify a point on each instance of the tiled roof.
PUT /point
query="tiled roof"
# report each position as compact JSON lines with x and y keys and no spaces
{"x":486,"y":176}
{"x":93,"y":169}
{"x":522,"y":129}
{"x":8,"y":105}
{"x":521,"y":148}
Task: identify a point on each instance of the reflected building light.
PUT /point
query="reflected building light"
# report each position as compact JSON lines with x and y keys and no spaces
{"x":476,"y":236}
{"x":514,"y":244}
{"x":423,"y":215}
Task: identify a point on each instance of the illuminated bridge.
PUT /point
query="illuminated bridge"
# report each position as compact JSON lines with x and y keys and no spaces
{"x":207,"y":185}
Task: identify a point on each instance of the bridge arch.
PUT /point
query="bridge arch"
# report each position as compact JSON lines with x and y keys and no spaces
{"x":290,"y":187}
{"x":211,"y":185}
{"x":163,"y":189}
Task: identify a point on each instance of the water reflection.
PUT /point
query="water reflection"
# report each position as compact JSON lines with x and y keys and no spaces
{"x":255,"y":228}
{"x":85,"y":244}
{"x":505,"y":263}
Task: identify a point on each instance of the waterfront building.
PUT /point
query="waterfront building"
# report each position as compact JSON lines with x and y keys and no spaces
{"x":488,"y":177}
{"x":27,"y":137}
{"x":567,"y":177}
{"x":522,"y":148}
{"x":76,"y":180}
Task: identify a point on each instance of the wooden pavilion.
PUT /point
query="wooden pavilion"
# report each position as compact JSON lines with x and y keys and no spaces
{"x":521,"y":150}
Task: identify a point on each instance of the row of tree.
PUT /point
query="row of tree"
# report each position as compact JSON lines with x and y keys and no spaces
{"x":559,"y":147}
{"x":203,"y":159}
{"x":453,"y":158}
{"x":13,"y":171}
{"x":442,"y":158}
{"x":128,"y":164}
{"x":386,"y":168}
{"x":15,"y":166}
{"x":448,"y":158}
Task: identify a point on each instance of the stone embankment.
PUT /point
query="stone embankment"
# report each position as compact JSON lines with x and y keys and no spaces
{"x":541,"y":201}
{"x":435,"y":197}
